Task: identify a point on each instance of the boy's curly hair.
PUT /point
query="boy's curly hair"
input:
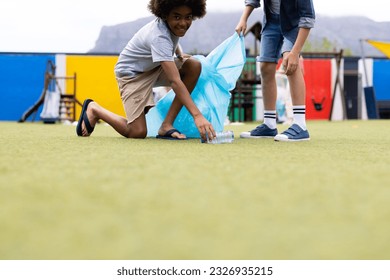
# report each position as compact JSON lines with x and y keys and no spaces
{"x":162,"y":8}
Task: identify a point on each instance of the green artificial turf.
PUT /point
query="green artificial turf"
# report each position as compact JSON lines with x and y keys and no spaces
{"x":107,"y":197}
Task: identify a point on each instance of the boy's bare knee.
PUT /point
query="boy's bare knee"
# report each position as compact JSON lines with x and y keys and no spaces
{"x":191,"y":67}
{"x":141,"y":134}
{"x":138,"y":134}
{"x":268,"y":71}
{"x":196,"y":65}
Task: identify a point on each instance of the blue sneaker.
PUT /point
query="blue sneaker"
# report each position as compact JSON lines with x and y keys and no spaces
{"x":262,"y":131}
{"x":294,"y":133}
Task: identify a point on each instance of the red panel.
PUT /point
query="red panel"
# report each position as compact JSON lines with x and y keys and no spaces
{"x":318,"y":78}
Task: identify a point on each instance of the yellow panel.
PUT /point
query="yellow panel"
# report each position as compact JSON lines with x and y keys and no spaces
{"x":384,"y":47}
{"x":95,"y":80}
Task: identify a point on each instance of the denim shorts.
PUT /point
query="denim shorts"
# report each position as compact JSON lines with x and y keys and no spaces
{"x":273,"y":43}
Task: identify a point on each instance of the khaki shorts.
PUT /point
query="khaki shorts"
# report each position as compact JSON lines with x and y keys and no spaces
{"x":137,"y":92}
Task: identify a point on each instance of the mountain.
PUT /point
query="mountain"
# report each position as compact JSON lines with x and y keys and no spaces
{"x":206,"y":33}
{"x":203,"y":36}
{"x":346,"y":33}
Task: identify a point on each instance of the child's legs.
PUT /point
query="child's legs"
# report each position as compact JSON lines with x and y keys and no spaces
{"x":189,"y":72}
{"x":297,"y":83}
{"x":297,"y":88}
{"x":271,"y":43}
{"x":137,"y":98}
{"x":296,"y":80}
{"x":268,"y":85}
{"x":136,"y":129}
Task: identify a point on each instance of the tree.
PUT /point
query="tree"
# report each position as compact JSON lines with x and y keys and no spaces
{"x":325,"y":45}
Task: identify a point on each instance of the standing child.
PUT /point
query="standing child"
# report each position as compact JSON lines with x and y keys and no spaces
{"x":286,"y":26}
{"x":148,"y":61}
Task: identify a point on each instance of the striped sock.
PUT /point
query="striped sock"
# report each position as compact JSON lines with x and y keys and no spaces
{"x":300,"y":116}
{"x":270,"y":118}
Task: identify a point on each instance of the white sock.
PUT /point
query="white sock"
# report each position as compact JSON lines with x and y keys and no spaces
{"x":270,"y":118}
{"x":300,"y":116}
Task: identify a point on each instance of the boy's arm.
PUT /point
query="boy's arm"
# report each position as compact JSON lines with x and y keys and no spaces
{"x":242,"y":24}
{"x":291,"y":60}
{"x":179,"y":52}
{"x":184,"y":96}
{"x":303,"y":33}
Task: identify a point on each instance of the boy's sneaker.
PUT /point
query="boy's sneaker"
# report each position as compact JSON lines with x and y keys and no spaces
{"x":262,"y":131}
{"x":294,"y":133}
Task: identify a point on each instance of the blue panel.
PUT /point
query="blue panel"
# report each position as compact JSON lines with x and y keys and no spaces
{"x":382,"y":79}
{"x":21,"y":83}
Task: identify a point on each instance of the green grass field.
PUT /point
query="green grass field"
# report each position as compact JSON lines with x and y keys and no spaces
{"x":107,"y":197}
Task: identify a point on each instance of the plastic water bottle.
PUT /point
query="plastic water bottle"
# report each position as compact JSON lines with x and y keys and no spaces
{"x":221,"y":138}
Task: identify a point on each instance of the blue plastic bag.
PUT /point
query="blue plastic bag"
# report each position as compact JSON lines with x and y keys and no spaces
{"x":220,"y":71}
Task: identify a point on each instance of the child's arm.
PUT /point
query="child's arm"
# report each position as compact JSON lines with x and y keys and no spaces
{"x":291,"y":60}
{"x":184,"y":96}
{"x":242,"y":24}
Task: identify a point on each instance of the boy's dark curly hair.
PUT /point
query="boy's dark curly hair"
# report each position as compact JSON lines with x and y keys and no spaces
{"x":162,"y":8}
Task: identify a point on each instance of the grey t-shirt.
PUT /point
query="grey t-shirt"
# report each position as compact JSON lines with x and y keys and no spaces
{"x":275,"y":7}
{"x":152,"y":44}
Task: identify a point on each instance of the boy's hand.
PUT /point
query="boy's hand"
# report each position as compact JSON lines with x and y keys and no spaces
{"x":204,"y":128}
{"x":290,"y":63}
{"x":183,"y":56}
{"x":241,"y":27}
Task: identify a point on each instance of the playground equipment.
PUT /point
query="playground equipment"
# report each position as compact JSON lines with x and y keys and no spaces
{"x":58,"y":105}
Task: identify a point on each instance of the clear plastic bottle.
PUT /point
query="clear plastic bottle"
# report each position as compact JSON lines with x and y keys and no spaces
{"x":221,"y":138}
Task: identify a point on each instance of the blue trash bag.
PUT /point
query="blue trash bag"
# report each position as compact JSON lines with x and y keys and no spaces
{"x":220,"y":71}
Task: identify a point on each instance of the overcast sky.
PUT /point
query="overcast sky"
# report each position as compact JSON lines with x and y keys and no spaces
{"x":72,"y":26}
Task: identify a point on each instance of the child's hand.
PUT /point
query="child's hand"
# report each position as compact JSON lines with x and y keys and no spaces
{"x":290,"y":63}
{"x":241,"y":27}
{"x":183,"y":56}
{"x":205,"y":128}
